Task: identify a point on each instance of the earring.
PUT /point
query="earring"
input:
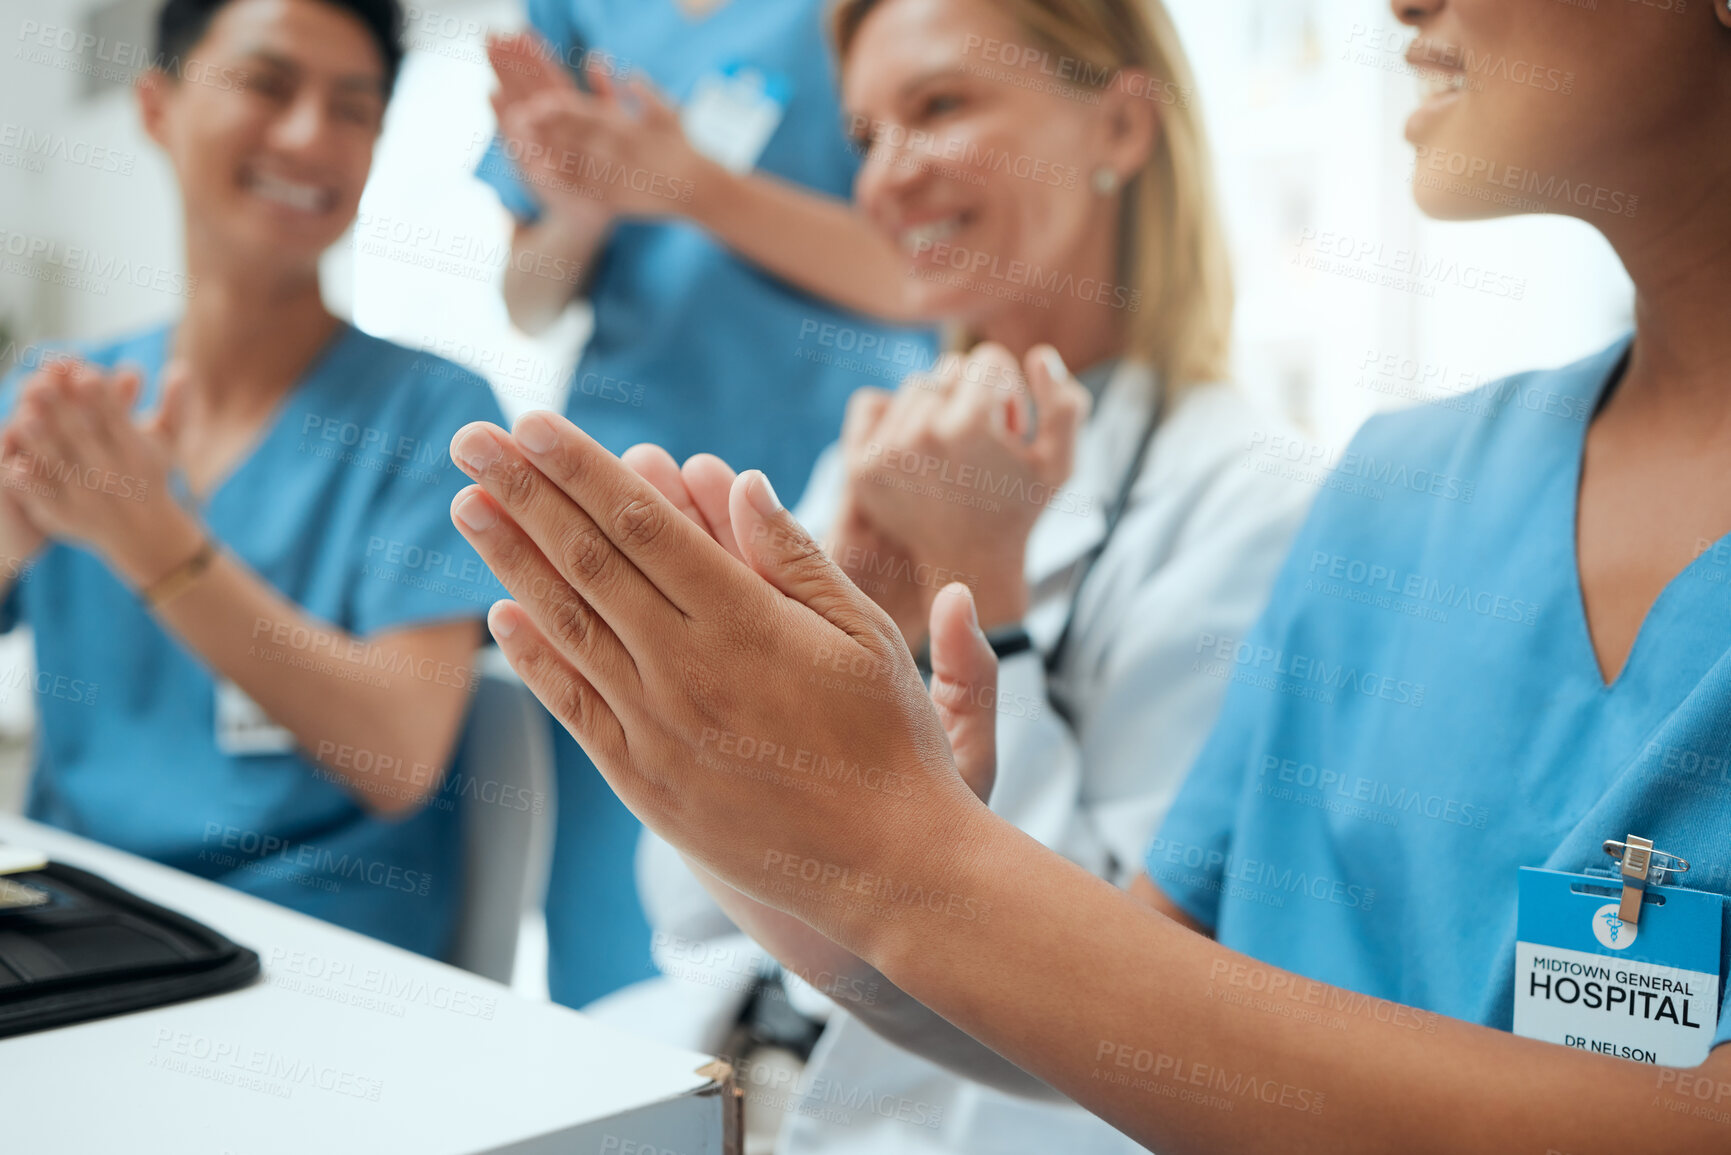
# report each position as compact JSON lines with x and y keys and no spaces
{"x":1106,"y":177}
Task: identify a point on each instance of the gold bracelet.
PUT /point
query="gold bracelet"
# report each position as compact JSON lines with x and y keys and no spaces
{"x":179,"y":579}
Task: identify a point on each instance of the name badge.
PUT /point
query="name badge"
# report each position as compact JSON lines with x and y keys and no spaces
{"x":731,"y":114}
{"x":243,"y":728}
{"x":1647,"y":991}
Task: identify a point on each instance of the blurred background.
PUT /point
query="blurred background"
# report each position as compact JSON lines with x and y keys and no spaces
{"x":1305,"y":99}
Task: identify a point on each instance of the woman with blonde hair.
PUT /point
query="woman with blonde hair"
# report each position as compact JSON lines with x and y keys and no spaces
{"x":1035,"y":178}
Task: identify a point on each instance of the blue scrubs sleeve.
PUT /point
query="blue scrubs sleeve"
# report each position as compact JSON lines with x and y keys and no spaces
{"x":497,"y":172}
{"x":13,"y":383}
{"x":1187,"y":858}
{"x":415,"y":568}
{"x":9,"y":386}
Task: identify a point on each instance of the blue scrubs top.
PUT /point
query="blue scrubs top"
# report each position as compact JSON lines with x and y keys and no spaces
{"x":344,"y":507}
{"x":698,"y":351}
{"x":694,"y":348}
{"x":1420,"y":712}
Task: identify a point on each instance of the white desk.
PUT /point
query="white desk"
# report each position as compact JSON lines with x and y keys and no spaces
{"x":343,"y":1045}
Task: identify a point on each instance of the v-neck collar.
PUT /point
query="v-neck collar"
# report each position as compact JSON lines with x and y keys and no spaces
{"x":1618,"y":358}
{"x":291,"y":399}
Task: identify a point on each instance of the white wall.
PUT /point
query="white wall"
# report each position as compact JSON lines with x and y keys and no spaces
{"x":58,"y":190}
{"x":427,"y":252}
{"x":1306,"y":100}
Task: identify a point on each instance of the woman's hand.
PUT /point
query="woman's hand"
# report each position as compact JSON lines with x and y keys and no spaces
{"x":870,"y":554}
{"x":764,"y":716}
{"x":618,"y":148}
{"x":82,"y":469}
{"x":964,"y":685}
{"x":955,"y":468}
{"x":524,"y":63}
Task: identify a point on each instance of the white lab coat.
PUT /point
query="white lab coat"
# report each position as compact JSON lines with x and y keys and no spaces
{"x":1195,"y":554}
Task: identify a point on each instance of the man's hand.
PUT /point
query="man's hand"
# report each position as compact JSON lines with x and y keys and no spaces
{"x":81,"y":468}
{"x":20,"y":538}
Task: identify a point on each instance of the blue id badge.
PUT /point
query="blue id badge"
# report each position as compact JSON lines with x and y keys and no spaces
{"x":1647,"y":990}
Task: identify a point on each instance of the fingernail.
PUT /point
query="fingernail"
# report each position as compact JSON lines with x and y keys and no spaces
{"x":500,"y":622}
{"x":1054,"y":364}
{"x":762,"y":495}
{"x":476,"y":512}
{"x":960,"y":590}
{"x":534,"y":432}
{"x":475,"y":449}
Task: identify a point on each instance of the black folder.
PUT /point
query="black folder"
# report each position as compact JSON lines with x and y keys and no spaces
{"x":74,"y":947}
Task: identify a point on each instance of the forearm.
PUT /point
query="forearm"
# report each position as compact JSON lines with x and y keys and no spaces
{"x":1138,"y":1019}
{"x":814,"y":242}
{"x":867,"y":995}
{"x":381,"y":717}
{"x":551,"y":262}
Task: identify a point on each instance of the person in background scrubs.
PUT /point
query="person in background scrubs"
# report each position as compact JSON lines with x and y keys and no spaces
{"x":706,"y":106}
{"x":229,"y":534}
{"x":1308,"y":970}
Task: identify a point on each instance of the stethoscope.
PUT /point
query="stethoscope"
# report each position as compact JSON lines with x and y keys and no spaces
{"x":1054,"y":657}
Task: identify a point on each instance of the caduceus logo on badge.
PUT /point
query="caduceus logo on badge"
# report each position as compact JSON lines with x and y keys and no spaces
{"x":1611,"y":930}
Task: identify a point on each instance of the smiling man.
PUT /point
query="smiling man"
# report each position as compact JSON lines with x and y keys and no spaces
{"x":229,"y":531}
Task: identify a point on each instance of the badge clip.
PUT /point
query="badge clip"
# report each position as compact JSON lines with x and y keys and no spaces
{"x":1638,"y":865}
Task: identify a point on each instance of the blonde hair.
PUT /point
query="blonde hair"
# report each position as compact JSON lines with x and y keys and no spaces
{"x":1172,"y":253}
